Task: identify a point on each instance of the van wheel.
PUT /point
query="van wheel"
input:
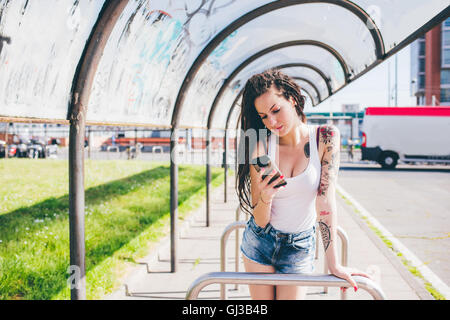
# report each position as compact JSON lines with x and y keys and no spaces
{"x":388,"y":160}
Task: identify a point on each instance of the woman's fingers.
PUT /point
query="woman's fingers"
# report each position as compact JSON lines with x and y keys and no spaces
{"x":351,"y":281}
{"x":267,"y":176}
{"x":348,"y":277}
{"x":362,"y":274}
{"x":271,"y":184}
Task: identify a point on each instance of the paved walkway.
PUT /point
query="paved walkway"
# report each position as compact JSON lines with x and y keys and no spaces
{"x":199,"y":253}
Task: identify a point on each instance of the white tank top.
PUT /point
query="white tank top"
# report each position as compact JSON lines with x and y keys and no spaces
{"x":294,"y":207}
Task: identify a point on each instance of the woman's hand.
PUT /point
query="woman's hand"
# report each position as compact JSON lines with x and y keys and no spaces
{"x":346,"y":273}
{"x":267,"y":191}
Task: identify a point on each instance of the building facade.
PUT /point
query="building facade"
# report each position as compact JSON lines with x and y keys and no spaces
{"x":430,"y":66}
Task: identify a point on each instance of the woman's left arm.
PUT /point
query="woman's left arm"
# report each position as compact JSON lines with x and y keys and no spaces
{"x":329,"y":137}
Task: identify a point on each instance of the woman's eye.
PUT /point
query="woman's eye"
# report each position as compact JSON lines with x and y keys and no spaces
{"x":276,"y":111}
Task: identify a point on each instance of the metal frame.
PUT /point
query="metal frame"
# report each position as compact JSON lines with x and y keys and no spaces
{"x":269,"y":50}
{"x":227,"y":123}
{"x":201,"y":58}
{"x":305,"y":65}
{"x":373,"y":29}
{"x":82,"y":85}
{"x":242,"y":224}
{"x":81,"y":89}
{"x":204,"y":54}
{"x":312,"y":85}
{"x":314,"y":280}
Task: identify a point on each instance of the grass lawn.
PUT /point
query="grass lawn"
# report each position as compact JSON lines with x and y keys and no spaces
{"x":127,"y":211}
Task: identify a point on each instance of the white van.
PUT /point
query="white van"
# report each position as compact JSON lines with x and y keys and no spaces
{"x":406,"y":134}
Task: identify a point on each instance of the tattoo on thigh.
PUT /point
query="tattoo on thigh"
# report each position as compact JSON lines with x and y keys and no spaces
{"x":326,"y":234}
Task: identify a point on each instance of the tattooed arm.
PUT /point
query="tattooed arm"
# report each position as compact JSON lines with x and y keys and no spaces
{"x":329,"y":139}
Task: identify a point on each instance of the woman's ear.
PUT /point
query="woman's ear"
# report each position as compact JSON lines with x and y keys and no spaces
{"x":293,"y":102}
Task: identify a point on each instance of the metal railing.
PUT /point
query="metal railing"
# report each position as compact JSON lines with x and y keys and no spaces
{"x":344,"y":256}
{"x":253,"y":278}
{"x":242,"y":224}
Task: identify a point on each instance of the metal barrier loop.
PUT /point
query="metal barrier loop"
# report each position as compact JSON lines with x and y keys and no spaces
{"x":241,"y":224}
{"x":223,"y":256}
{"x":316,"y":280}
{"x":344,"y":258}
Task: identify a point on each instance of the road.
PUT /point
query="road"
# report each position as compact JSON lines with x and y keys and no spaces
{"x":412,"y":202}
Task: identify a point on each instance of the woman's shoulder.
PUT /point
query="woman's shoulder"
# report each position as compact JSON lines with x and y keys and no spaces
{"x":329,"y":139}
{"x":328,"y":132}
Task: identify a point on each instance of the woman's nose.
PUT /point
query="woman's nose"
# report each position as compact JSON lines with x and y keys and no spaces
{"x":271,"y":121}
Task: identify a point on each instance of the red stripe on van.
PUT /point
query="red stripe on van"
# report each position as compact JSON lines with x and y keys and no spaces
{"x":409,"y":111}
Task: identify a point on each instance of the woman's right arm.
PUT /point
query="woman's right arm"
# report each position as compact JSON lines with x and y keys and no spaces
{"x":262,"y":192}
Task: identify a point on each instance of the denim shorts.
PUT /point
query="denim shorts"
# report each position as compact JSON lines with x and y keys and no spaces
{"x":286,"y":252}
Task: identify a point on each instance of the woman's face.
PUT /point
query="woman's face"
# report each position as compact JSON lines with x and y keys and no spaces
{"x":277,"y":113}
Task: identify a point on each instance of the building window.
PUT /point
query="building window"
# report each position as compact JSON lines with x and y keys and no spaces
{"x":445,"y":76}
{"x":445,"y":95}
{"x":421,"y":81}
{"x":447,"y":22}
{"x":421,"y":48}
{"x":446,"y":43}
{"x":421,"y":65}
{"x":446,"y":38}
{"x":446,"y":57}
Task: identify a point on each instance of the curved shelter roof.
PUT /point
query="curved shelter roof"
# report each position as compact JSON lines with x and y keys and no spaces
{"x":181,"y":63}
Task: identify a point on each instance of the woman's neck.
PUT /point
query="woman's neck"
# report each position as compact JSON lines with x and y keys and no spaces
{"x":294,"y":137}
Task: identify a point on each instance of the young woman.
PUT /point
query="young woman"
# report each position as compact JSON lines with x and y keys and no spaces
{"x":280,"y":235}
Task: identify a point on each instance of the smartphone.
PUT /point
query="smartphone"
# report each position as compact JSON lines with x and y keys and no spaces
{"x":265,"y":162}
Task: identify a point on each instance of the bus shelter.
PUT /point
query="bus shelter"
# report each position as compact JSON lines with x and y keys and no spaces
{"x":182,"y":64}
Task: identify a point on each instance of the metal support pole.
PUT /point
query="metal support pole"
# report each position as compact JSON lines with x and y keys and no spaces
{"x":6,"y":140}
{"x":236,"y":247}
{"x":80,"y":93}
{"x":236,"y":161}
{"x":89,"y":142}
{"x":208,"y":176}
{"x":225,"y":166}
{"x":173,"y":200}
{"x":76,"y":206}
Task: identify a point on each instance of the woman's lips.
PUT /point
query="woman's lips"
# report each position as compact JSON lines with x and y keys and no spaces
{"x":279,"y":128}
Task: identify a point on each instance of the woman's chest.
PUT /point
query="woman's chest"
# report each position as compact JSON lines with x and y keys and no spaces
{"x":293,"y":162}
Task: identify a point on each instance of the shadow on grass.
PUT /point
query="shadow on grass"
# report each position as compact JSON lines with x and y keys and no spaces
{"x":48,"y":280}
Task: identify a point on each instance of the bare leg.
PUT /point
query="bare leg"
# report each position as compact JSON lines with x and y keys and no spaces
{"x":259,"y":292}
{"x":291,"y":293}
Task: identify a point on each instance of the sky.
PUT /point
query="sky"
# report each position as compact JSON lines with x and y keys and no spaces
{"x":372,"y":88}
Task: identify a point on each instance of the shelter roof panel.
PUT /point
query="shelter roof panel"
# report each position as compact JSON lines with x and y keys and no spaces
{"x":149,"y":53}
{"x":397,"y":19}
{"x":41,"y":43}
{"x":356,"y":49}
{"x":311,"y":94}
{"x":366,"y":32}
{"x":312,"y":75}
{"x":314,"y":56}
